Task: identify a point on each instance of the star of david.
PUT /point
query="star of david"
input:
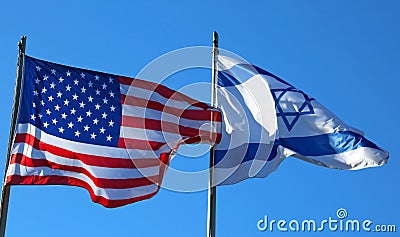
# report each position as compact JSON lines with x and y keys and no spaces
{"x":291,"y":103}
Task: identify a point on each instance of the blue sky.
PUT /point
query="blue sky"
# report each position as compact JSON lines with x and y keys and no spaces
{"x":346,"y":54}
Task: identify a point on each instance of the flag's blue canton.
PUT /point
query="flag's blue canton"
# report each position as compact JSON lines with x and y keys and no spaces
{"x":71,"y":103}
{"x":290,"y":114}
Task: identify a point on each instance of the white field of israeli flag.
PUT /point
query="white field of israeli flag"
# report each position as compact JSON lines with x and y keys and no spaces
{"x":265,"y":120}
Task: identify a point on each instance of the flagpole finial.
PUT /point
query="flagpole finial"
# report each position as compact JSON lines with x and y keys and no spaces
{"x":215,"y":39}
{"x":22,"y":44}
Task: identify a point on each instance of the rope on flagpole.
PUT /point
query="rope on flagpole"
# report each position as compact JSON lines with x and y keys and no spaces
{"x":5,"y":192}
{"x":212,"y":190}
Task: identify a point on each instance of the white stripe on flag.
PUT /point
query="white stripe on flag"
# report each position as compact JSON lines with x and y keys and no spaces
{"x":154,"y":96}
{"x":96,"y":171}
{"x":149,"y":135}
{"x":109,"y":193}
{"x":83,"y":148}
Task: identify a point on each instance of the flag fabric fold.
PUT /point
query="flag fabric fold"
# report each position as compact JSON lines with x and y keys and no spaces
{"x":266,"y":119}
{"x":111,"y":135}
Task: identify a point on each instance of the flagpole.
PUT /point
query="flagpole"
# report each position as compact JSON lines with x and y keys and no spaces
{"x":5,"y":192}
{"x":212,"y":190}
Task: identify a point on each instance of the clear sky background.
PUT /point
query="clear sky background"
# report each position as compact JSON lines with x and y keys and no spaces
{"x":346,"y":54}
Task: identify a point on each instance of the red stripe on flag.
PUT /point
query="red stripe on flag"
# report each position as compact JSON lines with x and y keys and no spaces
{"x":131,"y":143}
{"x":184,"y":113}
{"x":159,"y":125}
{"x":162,"y":90}
{"x":65,"y":180}
{"x":91,"y":160}
{"x":99,"y":182}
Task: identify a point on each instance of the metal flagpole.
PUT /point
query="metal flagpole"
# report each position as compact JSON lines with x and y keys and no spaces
{"x":212,"y":190}
{"x":5,"y":192}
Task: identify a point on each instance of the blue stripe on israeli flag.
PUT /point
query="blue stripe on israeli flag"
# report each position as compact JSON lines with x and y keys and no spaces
{"x":266,"y":119}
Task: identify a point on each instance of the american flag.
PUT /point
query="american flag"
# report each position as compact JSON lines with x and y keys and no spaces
{"x":111,"y":135}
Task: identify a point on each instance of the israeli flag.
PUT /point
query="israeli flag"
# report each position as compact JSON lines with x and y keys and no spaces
{"x":265,"y":120}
